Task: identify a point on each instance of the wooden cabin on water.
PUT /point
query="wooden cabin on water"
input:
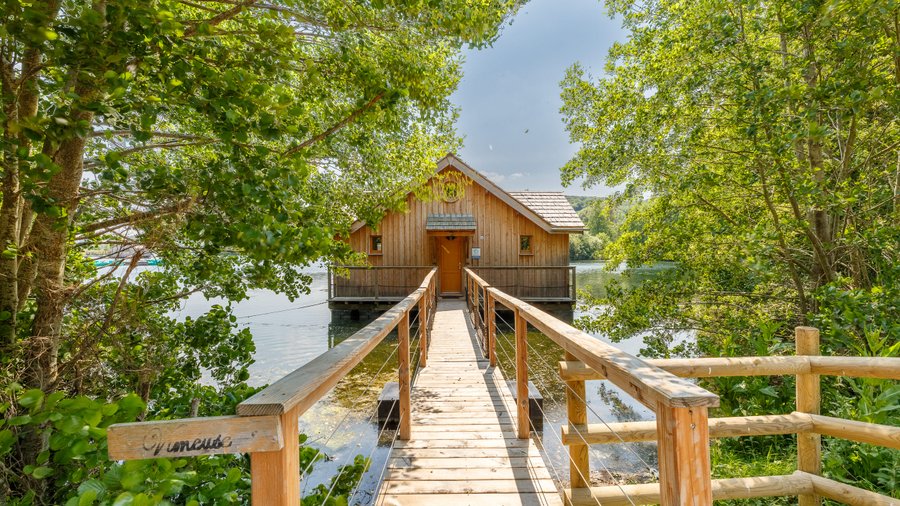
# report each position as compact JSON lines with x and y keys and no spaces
{"x":516,"y":241}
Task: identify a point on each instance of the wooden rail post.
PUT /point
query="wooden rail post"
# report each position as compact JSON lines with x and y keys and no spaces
{"x":423,"y":330}
{"x":275,"y":476}
{"x":576,"y":409}
{"x":403,"y":357}
{"x":491,"y":329}
{"x":522,"y":376}
{"x":809,"y":445}
{"x":683,"y":447}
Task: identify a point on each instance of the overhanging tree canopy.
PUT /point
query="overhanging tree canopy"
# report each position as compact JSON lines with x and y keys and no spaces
{"x":234,"y":138}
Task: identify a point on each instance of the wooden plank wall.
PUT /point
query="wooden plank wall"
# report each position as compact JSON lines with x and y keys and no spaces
{"x":405,"y":242}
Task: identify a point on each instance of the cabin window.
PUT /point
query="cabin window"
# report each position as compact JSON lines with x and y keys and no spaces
{"x":526,"y":245}
{"x":375,"y":245}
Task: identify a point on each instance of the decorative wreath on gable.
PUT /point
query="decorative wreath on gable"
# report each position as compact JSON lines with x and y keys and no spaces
{"x":451,"y":191}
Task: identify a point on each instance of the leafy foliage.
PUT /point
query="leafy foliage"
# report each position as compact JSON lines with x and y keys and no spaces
{"x":235,"y":142}
{"x":766,"y":136}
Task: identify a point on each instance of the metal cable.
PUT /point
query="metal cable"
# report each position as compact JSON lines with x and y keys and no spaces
{"x":580,"y":435}
{"x":371,"y":417}
{"x":586,"y":479}
{"x":588,"y":406}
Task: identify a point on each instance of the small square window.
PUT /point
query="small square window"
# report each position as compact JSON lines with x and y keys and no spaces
{"x":375,"y":247}
{"x":526,"y":245}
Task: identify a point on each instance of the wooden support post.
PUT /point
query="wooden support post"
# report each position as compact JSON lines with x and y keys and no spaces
{"x":574,"y":288}
{"x":275,"y":476}
{"x":524,"y":431}
{"x":423,"y":330}
{"x":576,"y":409}
{"x":403,"y":357}
{"x":492,"y":329}
{"x":809,"y":445}
{"x":683,"y":447}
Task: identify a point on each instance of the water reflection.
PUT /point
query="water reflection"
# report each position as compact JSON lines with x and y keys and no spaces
{"x":288,"y":334}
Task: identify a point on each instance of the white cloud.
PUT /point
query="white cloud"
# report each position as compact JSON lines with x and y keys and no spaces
{"x":495,"y":176}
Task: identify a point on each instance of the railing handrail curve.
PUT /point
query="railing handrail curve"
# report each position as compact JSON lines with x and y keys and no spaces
{"x":646,"y":383}
{"x":302,"y":387}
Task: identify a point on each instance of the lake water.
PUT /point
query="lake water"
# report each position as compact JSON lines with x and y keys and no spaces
{"x":288,"y":334}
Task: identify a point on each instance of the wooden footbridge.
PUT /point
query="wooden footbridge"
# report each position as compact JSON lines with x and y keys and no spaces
{"x":464,"y":440}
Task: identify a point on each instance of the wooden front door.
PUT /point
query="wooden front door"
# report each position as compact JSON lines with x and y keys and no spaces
{"x":450,"y":259}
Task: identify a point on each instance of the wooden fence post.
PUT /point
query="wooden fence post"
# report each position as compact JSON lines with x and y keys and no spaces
{"x":522,"y":376}
{"x":683,"y":448}
{"x":491,"y":329}
{"x":275,"y":476}
{"x":423,"y":329}
{"x":576,"y":410}
{"x":809,"y":445}
{"x":403,"y":357}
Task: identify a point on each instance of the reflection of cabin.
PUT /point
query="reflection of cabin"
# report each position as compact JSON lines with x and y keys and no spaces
{"x":516,"y":241}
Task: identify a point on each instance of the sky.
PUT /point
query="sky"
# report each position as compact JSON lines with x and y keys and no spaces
{"x":509,"y":94}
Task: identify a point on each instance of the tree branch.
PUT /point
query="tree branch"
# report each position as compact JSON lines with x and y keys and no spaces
{"x":341,"y":124}
{"x":221,"y":17}
{"x":131,"y":219}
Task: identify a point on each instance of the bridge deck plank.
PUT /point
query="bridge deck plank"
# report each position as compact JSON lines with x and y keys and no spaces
{"x":464,"y":449}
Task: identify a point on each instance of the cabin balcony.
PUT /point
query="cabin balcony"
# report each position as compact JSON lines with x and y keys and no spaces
{"x":351,"y":287}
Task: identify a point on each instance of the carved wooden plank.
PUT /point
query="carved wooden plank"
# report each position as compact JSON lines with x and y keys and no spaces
{"x":647,"y":384}
{"x":194,"y":436}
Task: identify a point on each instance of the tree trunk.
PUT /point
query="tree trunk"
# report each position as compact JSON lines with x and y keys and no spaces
{"x":9,"y":264}
{"x":50,"y":237}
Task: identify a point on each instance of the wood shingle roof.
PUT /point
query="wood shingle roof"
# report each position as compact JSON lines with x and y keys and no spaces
{"x":553,"y":207}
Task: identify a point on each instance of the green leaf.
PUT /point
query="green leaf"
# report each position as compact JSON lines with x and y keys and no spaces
{"x":92,"y":486}
{"x":124,"y":499}
{"x":18,"y":420}
{"x":42,"y":472}
{"x":87,"y":497}
{"x":32,"y":399}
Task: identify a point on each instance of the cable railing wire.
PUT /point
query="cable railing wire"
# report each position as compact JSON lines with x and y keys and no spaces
{"x":585,"y":479}
{"x":384,"y":427}
{"x":414,"y":337}
{"x":347,"y":414}
{"x":650,"y":468}
{"x":414,"y":376}
{"x":617,"y":483}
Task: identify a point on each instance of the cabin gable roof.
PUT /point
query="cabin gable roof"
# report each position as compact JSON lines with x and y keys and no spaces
{"x":553,"y":207}
{"x":552,"y":211}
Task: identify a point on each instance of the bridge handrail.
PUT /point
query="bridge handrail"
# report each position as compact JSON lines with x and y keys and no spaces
{"x":648,"y":384}
{"x":304,"y":386}
{"x":266,"y":426}
{"x":681,"y":407}
{"x":806,"y":422}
